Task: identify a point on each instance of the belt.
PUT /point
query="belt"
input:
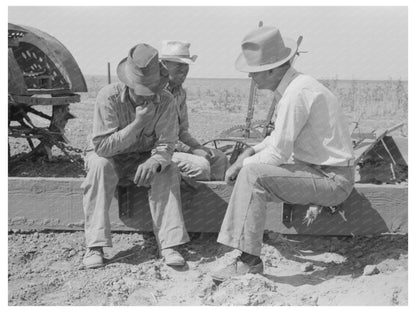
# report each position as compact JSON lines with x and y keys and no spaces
{"x":346,"y":163}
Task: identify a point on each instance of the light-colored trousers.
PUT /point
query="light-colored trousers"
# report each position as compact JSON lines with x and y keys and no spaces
{"x":199,"y":168}
{"x":257,"y":184}
{"x":164,"y":197}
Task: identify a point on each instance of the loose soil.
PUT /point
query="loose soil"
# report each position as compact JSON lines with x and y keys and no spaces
{"x":45,"y":268}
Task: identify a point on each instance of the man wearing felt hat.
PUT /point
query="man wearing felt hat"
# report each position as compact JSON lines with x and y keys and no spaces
{"x":134,"y":134}
{"x":193,"y":159}
{"x":307,"y":159}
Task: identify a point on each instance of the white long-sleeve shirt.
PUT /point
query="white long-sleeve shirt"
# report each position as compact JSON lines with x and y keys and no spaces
{"x":310,"y":126}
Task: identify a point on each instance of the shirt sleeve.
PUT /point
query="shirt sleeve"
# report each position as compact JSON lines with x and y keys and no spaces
{"x":107,"y":139}
{"x":184,"y":135}
{"x":166,"y":130}
{"x":292,"y":115}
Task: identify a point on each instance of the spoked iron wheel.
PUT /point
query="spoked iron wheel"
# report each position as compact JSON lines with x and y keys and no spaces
{"x":40,"y":138}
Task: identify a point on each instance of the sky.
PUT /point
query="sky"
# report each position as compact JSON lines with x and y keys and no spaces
{"x":368,"y":43}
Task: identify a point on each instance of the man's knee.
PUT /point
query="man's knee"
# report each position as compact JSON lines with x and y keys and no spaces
{"x":97,"y":164}
{"x":250,"y":171}
{"x":192,"y":165}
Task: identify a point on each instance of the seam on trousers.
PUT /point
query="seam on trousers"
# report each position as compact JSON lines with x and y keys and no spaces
{"x":245,"y":217}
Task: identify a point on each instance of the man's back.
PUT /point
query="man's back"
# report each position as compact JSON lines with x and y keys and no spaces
{"x":324,"y":138}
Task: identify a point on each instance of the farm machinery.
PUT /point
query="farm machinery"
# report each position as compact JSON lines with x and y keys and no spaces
{"x":41,"y":73}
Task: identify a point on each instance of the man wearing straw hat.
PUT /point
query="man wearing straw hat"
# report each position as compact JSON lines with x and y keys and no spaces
{"x":193,"y":159}
{"x":307,"y":159}
{"x":134,"y":133}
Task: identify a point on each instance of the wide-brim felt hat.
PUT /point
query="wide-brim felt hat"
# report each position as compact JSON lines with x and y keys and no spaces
{"x":264,"y":49}
{"x":140,"y":70}
{"x":177,"y":51}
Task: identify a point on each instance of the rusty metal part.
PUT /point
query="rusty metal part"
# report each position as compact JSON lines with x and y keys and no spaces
{"x":38,"y":61}
{"x":41,"y":72}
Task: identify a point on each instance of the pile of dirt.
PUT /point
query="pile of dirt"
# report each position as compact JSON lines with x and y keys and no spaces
{"x":45,"y":268}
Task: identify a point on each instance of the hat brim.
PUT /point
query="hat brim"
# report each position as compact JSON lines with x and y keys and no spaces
{"x":241,"y":64}
{"x":179,"y":59}
{"x":138,"y":89}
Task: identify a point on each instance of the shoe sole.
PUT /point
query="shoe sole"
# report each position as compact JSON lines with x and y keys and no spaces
{"x":94,"y":266}
{"x":175,"y":263}
{"x":222,"y":279}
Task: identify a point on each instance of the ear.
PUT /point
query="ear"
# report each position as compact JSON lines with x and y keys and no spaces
{"x":271,"y":72}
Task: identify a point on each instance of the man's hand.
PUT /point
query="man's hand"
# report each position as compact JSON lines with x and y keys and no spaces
{"x":232,"y":172}
{"x":145,"y":172}
{"x":145,"y":112}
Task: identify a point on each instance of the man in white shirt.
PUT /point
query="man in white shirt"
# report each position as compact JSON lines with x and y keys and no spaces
{"x":307,"y":159}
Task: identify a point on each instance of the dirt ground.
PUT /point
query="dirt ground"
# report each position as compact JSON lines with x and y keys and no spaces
{"x":45,"y":268}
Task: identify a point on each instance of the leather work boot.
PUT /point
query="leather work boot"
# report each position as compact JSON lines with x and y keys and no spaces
{"x":237,"y":268}
{"x":94,"y":258}
{"x":172,"y":257}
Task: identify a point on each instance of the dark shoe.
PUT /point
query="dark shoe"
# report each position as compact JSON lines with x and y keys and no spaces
{"x":172,"y":257}
{"x":237,"y":268}
{"x":94,"y":258}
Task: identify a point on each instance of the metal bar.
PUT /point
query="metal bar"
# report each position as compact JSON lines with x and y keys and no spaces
{"x":109,"y":73}
{"x":388,"y":151}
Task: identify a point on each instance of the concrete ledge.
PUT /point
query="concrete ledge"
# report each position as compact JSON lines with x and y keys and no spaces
{"x":56,"y":203}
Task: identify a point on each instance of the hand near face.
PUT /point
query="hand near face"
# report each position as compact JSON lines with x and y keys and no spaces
{"x":145,"y":112}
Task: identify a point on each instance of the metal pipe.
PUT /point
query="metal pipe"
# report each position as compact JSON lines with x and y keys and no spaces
{"x":109,"y":73}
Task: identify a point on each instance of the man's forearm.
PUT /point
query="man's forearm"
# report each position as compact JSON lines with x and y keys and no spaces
{"x":115,"y":143}
{"x":247,"y":153}
{"x":186,"y":138}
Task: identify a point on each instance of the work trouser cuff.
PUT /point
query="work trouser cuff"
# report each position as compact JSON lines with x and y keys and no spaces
{"x":239,"y":244}
{"x":173,"y":244}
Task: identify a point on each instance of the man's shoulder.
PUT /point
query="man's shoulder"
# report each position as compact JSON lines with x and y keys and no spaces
{"x":166,"y":97}
{"x":110,"y":92}
{"x":306,"y":82}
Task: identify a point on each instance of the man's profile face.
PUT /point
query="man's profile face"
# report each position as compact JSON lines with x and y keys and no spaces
{"x":269,"y":79}
{"x":177,"y":72}
{"x":260,"y":78}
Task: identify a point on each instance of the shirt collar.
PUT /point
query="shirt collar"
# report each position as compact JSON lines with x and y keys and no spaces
{"x":124,"y":96}
{"x":173,"y":90}
{"x":286,"y":80}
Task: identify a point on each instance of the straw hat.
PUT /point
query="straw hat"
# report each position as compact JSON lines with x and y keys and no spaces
{"x":264,"y":49}
{"x":177,"y":51}
{"x":140,"y":70}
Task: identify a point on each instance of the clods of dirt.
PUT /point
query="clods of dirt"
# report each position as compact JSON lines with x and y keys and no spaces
{"x":45,"y":268}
